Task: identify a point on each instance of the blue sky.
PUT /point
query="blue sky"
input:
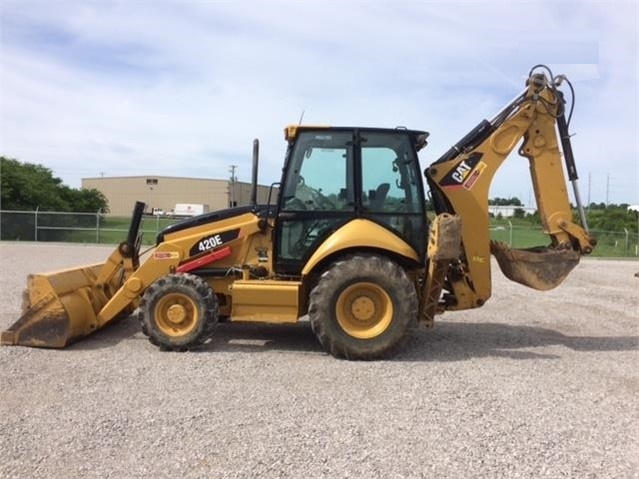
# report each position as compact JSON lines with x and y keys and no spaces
{"x":182,"y":88}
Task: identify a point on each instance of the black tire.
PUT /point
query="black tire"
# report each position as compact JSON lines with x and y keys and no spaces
{"x":362,"y":307}
{"x":178,"y":312}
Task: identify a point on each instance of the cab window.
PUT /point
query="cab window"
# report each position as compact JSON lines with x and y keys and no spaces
{"x":392,"y":191}
{"x":388,"y":175}
{"x":320,"y":175}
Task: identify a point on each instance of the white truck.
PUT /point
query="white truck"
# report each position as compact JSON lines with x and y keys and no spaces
{"x":190,"y":209}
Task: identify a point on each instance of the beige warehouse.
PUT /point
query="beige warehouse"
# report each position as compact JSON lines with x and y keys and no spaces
{"x":164,"y":192}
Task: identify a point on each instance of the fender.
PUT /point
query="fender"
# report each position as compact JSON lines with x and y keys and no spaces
{"x":358,"y":233}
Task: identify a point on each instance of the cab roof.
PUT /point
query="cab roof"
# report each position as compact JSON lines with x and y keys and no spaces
{"x":292,"y":131}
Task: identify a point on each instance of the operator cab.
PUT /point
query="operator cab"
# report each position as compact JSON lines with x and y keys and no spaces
{"x":334,"y":175}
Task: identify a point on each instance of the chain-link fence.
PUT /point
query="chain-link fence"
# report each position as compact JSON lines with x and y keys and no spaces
{"x":609,"y":243}
{"x":97,"y":228}
{"x":74,"y":227}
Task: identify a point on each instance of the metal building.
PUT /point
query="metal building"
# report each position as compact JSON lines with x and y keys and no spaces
{"x":164,"y":192}
{"x":508,"y":211}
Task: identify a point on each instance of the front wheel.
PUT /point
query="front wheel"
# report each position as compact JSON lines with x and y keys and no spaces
{"x":178,"y":312}
{"x":362,"y":307}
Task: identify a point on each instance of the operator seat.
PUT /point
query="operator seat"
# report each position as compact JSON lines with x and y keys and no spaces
{"x":379,"y":197}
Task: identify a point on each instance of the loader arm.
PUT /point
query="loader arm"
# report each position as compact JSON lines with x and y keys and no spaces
{"x":460,"y":182}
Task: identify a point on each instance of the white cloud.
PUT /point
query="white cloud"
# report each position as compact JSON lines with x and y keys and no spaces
{"x":183,"y":88}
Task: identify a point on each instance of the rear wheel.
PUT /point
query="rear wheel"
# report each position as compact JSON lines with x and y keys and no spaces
{"x":178,"y":312}
{"x":362,"y":307}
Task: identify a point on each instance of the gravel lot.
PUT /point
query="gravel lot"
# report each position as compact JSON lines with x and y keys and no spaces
{"x":531,"y":385}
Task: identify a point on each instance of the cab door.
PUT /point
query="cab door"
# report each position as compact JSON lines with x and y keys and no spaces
{"x":391,"y":187}
{"x":318,"y":195}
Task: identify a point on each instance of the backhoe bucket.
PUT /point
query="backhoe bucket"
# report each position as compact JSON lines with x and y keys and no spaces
{"x":58,"y":308}
{"x":540,"y":268}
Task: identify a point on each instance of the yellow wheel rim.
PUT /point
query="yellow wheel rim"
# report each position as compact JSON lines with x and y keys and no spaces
{"x":176,"y":314}
{"x":364,"y":310}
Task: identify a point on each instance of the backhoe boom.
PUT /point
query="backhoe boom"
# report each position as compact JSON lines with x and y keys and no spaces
{"x":460,"y":182}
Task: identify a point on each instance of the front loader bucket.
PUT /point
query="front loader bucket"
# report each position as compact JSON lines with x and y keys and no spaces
{"x":59,"y":308}
{"x":64,"y":306}
{"x":539,"y":268}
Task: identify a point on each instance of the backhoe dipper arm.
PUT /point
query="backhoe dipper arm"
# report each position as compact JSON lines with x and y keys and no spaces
{"x":461,"y":178}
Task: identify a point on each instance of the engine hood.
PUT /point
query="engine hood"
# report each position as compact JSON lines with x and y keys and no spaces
{"x":207,"y":218}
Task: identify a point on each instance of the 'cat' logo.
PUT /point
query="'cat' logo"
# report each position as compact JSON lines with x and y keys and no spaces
{"x":456,"y":177}
{"x":459,"y":175}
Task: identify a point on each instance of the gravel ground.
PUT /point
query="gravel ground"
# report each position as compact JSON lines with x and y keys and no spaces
{"x":531,"y":385}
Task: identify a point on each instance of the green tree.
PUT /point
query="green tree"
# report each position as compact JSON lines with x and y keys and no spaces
{"x":27,"y":186}
{"x":613,"y":218}
{"x":497,"y":201}
{"x":519,"y":213}
{"x":86,"y":201}
{"x":597,"y":206}
{"x":533,"y":218}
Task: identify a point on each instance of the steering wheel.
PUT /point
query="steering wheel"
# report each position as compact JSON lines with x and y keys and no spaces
{"x":323,"y":202}
{"x":295,"y":204}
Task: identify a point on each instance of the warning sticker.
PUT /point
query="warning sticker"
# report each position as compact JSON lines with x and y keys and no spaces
{"x":474,"y":176}
{"x":166,"y":255}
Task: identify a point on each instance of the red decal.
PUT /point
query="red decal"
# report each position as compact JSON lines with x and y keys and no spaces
{"x":206,"y":259}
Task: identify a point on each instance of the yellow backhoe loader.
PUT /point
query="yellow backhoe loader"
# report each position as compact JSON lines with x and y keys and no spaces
{"x":345,"y":241}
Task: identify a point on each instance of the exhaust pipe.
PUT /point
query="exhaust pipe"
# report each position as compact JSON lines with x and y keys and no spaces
{"x":256,"y":152}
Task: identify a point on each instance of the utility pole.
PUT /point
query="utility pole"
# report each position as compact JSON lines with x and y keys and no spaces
{"x":589,"y":188}
{"x":232,"y":169}
{"x":607,"y":188}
